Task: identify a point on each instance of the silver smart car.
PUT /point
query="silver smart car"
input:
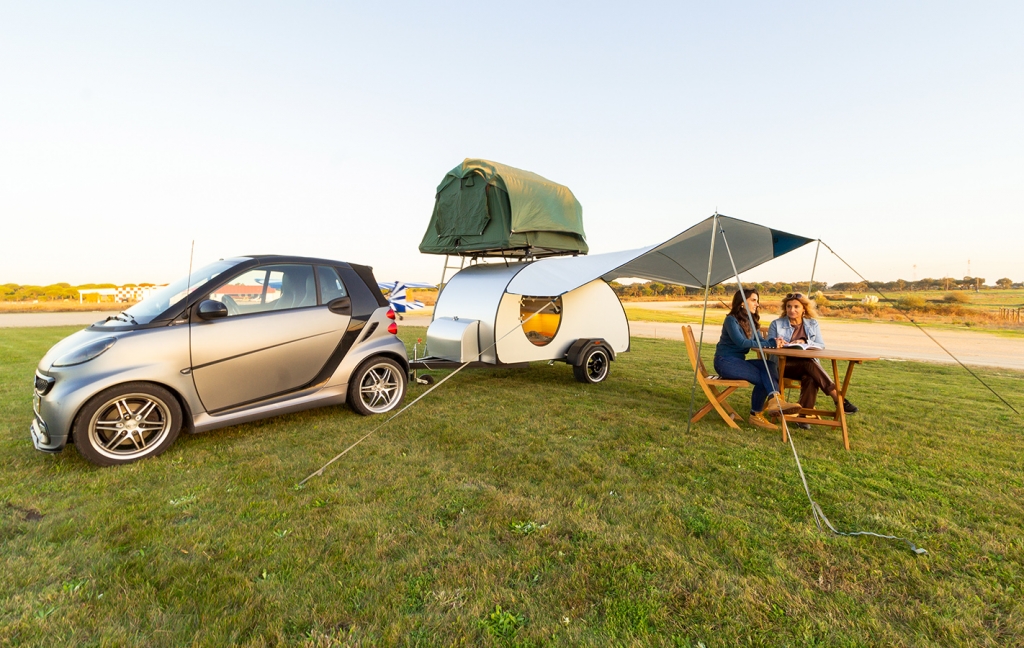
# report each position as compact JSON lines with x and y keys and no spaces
{"x":240,"y":339}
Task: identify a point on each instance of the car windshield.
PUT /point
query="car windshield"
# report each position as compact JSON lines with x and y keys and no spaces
{"x":149,"y":308}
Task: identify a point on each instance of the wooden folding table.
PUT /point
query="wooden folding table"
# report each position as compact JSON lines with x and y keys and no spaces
{"x":838,"y":416}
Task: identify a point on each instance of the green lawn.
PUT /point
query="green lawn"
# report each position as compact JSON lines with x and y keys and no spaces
{"x":518,"y":507}
{"x":989,"y":299}
{"x":636,"y":312}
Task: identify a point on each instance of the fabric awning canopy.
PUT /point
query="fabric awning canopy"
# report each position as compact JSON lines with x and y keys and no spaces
{"x":681,"y":260}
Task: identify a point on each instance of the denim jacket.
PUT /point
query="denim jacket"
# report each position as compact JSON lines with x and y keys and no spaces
{"x":734,"y":344}
{"x":781,"y":328}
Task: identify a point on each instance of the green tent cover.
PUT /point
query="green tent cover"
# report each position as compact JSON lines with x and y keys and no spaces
{"x":485,"y":208}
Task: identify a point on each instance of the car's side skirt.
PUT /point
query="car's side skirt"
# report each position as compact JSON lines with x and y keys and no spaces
{"x":293,"y":402}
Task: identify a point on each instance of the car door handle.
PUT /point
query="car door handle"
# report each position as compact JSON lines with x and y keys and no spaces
{"x":341,"y":305}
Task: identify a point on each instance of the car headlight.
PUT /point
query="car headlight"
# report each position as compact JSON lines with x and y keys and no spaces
{"x":85,"y":353}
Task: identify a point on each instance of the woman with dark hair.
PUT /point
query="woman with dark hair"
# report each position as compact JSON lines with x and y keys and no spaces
{"x":799,"y":326}
{"x":738,"y":338}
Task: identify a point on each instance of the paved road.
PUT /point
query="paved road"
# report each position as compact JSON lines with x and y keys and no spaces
{"x":886,"y":340}
{"x":892,"y":341}
{"x":881,"y":338}
{"x":16,"y":320}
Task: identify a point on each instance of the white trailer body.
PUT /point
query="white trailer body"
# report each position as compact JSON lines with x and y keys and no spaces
{"x":475,"y":319}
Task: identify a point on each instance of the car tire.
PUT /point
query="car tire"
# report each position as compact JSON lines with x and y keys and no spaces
{"x":126,"y":423}
{"x":378,"y":386}
{"x":593,"y":367}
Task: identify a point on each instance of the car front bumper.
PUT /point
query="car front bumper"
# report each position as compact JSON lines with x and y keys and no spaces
{"x":42,"y":439}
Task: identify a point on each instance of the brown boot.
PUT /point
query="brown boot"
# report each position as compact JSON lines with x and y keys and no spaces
{"x":758,"y":420}
{"x":777,"y":404}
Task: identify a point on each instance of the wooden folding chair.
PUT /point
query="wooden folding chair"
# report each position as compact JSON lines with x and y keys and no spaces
{"x":711,"y":385}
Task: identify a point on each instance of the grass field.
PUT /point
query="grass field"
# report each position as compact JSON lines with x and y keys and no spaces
{"x":60,"y":307}
{"x":976,"y":317}
{"x":636,"y":313}
{"x":518,"y":507}
{"x":983,"y":300}
{"x":987,"y":300}
{"x":715,"y":317}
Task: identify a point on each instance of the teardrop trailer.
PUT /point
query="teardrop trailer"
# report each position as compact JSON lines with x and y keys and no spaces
{"x":503,"y":219}
{"x":530,"y":293}
{"x":477,"y":320}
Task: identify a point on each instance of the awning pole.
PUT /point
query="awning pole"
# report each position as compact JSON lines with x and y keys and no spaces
{"x":816,"y":511}
{"x":810,"y":284}
{"x":703,"y":317}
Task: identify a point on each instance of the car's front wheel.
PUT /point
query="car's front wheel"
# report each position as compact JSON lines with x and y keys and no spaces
{"x":378,"y":386}
{"x":126,"y":423}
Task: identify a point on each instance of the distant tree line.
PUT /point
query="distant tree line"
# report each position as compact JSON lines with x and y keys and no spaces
{"x":657,"y":289}
{"x":946,"y":283}
{"x":53,"y":292}
{"x":65,"y":291}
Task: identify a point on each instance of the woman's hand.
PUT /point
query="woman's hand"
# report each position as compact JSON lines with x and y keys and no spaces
{"x":780,"y":342}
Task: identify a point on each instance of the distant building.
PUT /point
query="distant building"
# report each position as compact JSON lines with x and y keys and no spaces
{"x":120,"y":294}
{"x":133,"y":294}
{"x":99,"y":292}
{"x":242,"y":293}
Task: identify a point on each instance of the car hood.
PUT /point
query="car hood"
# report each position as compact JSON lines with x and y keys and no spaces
{"x":72,"y":342}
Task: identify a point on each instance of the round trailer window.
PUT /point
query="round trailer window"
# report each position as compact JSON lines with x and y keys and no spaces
{"x":546,"y":315}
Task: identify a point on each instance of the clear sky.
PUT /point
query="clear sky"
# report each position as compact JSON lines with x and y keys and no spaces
{"x":893,"y":131}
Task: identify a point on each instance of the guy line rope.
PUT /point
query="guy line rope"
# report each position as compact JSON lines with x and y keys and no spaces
{"x":920,"y":328}
{"x":819,"y":514}
{"x":319,"y":472}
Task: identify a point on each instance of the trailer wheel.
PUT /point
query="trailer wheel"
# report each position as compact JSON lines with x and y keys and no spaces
{"x":593,"y":366}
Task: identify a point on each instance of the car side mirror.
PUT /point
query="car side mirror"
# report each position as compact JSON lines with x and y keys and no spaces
{"x":211,"y":309}
{"x":341,"y":305}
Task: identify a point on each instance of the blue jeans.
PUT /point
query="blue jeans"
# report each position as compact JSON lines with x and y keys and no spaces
{"x":765,"y":381}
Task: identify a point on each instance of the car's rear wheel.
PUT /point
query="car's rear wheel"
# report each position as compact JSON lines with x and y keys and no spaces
{"x":378,"y":386}
{"x":126,"y":423}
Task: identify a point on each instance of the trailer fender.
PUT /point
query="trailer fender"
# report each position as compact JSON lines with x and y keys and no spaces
{"x":578,"y":350}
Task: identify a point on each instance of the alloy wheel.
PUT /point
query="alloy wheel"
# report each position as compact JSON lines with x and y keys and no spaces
{"x":597,"y":367}
{"x":129,"y":426}
{"x":380,"y":388}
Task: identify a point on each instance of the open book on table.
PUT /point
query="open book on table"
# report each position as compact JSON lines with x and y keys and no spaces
{"x":805,"y":346}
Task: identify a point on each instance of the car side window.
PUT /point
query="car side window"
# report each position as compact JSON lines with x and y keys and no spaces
{"x":268,"y":288}
{"x":331,"y":286}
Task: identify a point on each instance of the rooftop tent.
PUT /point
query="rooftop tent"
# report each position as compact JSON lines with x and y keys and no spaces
{"x":681,"y":260}
{"x":484,"y":208}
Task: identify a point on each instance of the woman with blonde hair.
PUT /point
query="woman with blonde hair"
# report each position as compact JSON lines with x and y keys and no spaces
{"x":799,"y":325}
